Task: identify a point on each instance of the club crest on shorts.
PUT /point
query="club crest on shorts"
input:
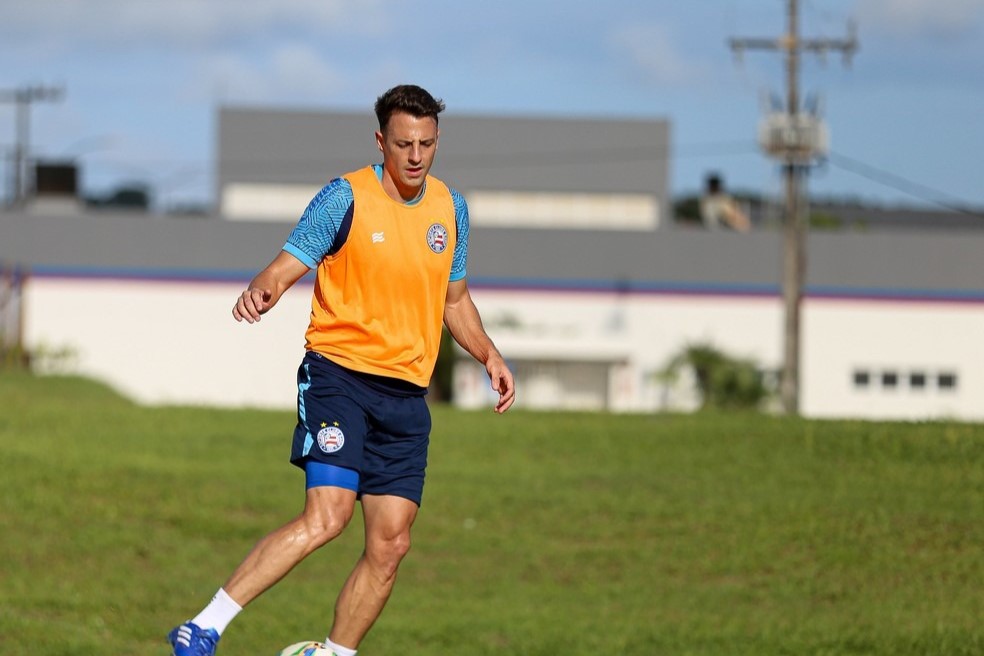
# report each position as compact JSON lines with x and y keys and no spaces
{"x":331,"y":438}
{"x":437,"y":238}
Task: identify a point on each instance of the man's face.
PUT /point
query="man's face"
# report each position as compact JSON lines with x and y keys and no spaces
{"x":408,"y":146}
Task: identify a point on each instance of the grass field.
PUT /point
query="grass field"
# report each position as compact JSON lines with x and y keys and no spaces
{"x":541,"y":534}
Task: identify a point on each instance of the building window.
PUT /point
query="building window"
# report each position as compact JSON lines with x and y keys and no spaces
{"x":947,"y":380}
{"x":890,"y":379}
{"x":916,"y":381}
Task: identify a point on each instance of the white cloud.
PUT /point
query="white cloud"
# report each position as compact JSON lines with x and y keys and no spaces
{"x":182,"y":23}
{"x":933,"y":19}
{"x":292,"y":74}
{"x":652,"y":50}
{"x":300,"y":69}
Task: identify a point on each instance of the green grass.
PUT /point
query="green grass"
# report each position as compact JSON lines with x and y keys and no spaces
{"x":541,"y":534}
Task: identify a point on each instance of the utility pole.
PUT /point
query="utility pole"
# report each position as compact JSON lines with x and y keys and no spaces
{"x":23,"y":98}
{"x":795,"y":139}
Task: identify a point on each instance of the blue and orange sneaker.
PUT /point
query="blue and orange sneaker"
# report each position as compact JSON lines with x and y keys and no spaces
{"x":189,"y":639}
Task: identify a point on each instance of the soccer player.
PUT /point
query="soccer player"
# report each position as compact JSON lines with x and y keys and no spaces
{"x":389,"y":243}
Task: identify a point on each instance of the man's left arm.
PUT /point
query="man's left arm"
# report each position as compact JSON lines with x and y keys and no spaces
{"x":465,"y":325}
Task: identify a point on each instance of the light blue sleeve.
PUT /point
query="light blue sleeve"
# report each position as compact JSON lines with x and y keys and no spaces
{"x":459,"y":261}
{"x":314,"y":235}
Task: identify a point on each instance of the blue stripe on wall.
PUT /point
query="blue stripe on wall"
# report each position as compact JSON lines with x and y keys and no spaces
{"x":635,"y":287}
{"x":137,"y":273}
{"x":680,"y":288}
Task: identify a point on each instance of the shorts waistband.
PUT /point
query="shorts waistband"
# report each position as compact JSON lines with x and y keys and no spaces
{"x":385,"y":384}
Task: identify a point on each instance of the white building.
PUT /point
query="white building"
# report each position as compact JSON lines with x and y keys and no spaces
{"x":583,"y":282}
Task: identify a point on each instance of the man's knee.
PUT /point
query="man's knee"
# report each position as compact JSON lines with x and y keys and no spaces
{"x":323,"y":527}
{"x":325,"y":519}
{"x":388,"y":523}
{"x":387,"y":552}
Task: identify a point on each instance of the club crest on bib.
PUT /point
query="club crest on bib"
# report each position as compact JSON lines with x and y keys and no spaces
{"x":331,"y":439}
{"x":437,"y":238}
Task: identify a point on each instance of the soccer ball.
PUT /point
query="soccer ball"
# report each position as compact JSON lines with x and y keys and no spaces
{"x":306,"y":648}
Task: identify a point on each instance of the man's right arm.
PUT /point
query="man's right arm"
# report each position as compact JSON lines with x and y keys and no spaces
{"x":312,"y":239}
{"x":268,"y":286}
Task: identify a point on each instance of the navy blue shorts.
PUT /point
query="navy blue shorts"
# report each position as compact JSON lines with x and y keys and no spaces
{"x":376,"y":426}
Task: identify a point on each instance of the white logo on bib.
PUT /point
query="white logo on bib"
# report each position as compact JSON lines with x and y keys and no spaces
{"x":331,"y":439}
{"x":437,"y":238}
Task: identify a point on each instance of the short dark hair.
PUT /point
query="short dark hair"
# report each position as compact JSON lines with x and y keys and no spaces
{"x":408,"y":98}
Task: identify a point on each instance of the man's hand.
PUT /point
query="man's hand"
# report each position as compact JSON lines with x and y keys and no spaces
{"x":268,"y":286}
{"x":251,"y":304}
{"x":502,"y":382}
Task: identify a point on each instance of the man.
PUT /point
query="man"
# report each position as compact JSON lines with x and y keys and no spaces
{"x":717,"y":207}
{"x":390,"y":244}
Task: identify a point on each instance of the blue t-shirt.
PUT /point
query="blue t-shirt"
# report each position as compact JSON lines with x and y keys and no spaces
{"x":317,"y":231}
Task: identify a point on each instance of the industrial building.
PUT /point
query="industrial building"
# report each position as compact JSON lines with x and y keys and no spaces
{"x":584,"y":280}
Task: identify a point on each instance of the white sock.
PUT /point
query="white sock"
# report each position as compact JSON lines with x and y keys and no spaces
{"x":219,"y":612}
{"x":338,"y":649}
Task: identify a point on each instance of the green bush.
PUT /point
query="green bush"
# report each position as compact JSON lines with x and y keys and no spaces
{"x":724,"y":382}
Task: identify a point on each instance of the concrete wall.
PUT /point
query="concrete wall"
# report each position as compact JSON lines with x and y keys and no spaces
{"x":144,"y":303}
{"x":842,"y":337}
{"x":176,"y":342}
{"x":172,"y":342}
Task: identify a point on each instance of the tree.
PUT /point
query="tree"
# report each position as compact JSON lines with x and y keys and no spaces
{"x":724,"y":382}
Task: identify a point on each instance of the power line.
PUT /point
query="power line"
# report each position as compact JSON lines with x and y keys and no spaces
{"x":902,"y":184}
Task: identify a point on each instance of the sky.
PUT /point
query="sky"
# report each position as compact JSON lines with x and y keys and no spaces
{"x":143,"y":80}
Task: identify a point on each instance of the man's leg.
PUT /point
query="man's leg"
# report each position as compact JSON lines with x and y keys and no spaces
{"x":327,"y":511}
{"x":388,"y":520}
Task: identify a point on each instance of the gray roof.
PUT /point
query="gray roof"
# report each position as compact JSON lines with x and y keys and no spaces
{"x":519,"y":154}
{"x":699,"y":261}
{"x":906,"y":264}
{"x":497,"y":153}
